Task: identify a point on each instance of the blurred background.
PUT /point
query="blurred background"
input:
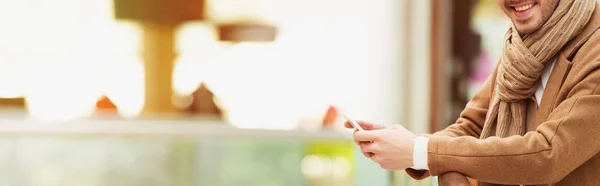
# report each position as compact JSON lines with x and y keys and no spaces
{"x":229,"y":92}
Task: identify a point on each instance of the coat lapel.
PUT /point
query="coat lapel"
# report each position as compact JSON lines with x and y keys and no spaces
{"x":560,"y":70}
{"x":562,"y":66}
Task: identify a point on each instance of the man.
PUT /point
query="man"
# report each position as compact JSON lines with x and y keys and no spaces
{"x":536,"y":121}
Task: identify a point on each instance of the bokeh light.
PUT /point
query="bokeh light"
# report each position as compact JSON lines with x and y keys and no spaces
{"x":319,"y":166}
{"x":63,"y":55}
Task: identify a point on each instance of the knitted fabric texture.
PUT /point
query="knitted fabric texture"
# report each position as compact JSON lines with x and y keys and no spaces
{"x":523,"y":61}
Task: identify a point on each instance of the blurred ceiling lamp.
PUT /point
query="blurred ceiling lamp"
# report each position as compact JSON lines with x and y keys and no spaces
{"x":160,"y":11}
{"x":247,"y":32}
{"x":244,"y":21}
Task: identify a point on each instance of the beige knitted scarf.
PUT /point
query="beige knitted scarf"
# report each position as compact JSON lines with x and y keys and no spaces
{"x":522,"y":63}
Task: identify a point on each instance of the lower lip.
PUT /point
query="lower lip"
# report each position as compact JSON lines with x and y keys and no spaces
{"x":521,"y":15}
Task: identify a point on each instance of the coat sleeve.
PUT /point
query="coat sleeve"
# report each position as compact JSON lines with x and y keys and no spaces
{"x":564,"y":142}
{"x":470,"y":122}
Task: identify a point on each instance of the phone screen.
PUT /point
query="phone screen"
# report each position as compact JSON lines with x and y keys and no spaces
{"x":354,"y":124}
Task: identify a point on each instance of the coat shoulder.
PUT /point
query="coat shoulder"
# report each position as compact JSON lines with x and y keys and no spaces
{"x":590,"y":50}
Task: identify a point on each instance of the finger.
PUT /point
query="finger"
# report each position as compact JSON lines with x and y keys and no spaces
{"x":356,"y":140}
{"x":348,"y":125}
{"x":376,"y":158}
{"x":366,"y":154}
{"x":369,"y":147}
{"x":370,"y":126}
{"x":366,"y":136}
{"x":360,"y":143}
{"x":397,"y":126}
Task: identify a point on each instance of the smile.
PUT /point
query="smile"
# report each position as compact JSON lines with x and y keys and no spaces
{"x":524,"y":7}
{"x":523,"y":12}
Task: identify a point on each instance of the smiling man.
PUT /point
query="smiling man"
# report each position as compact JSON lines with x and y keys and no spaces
{"x":536,"y":121}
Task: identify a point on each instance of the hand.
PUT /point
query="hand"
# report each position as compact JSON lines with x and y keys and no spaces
{"x":392,"y":148}
{"x":366,"y":126}
{"x":453,"y":179}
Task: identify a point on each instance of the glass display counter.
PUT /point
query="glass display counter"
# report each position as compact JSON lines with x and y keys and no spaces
{"x":178,"y":153}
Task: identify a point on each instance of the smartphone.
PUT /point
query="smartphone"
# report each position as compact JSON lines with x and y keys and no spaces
{"x":354,"y":124}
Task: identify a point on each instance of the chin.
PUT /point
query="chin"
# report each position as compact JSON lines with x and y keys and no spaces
{"x":526,"y":29}
{"x":528,"y":26}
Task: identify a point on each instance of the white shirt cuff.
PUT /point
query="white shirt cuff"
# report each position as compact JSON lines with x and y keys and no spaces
{"x":420,"y":153}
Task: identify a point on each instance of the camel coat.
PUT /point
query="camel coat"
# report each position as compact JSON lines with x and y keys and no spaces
{"x":562,"y":148}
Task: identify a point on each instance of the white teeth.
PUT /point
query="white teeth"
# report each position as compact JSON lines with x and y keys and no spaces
{"x":523,"y":8}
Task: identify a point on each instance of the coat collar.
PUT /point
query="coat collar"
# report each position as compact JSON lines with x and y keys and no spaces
{"x":563,"y":65}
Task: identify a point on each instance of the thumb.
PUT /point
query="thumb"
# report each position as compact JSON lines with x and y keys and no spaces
{"x":370,"y":126}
